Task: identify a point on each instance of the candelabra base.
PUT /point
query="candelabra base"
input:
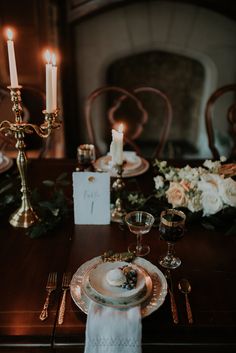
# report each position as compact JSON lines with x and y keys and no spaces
{"x":23,"y":218}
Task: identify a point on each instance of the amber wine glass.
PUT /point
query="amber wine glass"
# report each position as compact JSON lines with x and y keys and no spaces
{"x":171,"y":229}
{"x":86,"y":157}
{"x":139,"y":223}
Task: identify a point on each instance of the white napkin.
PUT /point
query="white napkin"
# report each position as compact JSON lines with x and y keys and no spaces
{"x":110,"y":330}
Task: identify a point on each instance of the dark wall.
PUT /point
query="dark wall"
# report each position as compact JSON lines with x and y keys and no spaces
{"x":31,"y":21}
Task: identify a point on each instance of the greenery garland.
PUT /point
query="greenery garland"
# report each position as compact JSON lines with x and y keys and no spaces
{"x":55,"y":209}
{"x":52,"y":211}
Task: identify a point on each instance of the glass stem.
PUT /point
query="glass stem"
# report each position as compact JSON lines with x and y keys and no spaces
{"x":139,"y":244}
{"x":170,"y":250}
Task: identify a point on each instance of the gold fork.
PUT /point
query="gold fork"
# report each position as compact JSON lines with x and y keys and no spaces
{"x":65,"y":286}
{"x":50,"y":287}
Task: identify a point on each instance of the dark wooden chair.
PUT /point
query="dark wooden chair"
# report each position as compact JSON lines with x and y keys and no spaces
{"x":166,"y":121}
{"x":33,"y":103}
{"x":231,"y":117}
{"x":134,"y":122}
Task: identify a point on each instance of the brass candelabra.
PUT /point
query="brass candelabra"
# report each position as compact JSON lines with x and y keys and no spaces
{"x":118,"y":212}
{"x":25,"y":216}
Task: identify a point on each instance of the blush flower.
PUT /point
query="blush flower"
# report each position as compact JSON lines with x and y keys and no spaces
{"x":176,"y":195}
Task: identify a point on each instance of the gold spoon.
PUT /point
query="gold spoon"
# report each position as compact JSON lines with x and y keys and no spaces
{"x":185,"y":287}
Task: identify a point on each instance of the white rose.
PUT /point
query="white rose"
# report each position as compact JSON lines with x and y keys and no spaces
{"x":159,"y":182}
{"x":210,"y":181}
{"x":228,"y":191}
{"x":211,"y":202}
{"x":176,"y":195}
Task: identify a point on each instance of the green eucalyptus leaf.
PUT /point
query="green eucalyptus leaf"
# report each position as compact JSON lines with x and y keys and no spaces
{"x":61,"y":177}
{"x":208,"y":226}
{"x":49,"y":183}
{"x":37,"y":230}
{"x":55,"y":212}
{"x":231,"y":230}
{"x":63,"y":182}
{"x":47,"y":204}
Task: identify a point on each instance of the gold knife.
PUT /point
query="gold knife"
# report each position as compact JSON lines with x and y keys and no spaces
{"x":173,"y":305}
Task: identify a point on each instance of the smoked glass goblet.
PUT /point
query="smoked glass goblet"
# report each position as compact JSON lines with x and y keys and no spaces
{"x":171,"y":229}
{"x":139,"y":223}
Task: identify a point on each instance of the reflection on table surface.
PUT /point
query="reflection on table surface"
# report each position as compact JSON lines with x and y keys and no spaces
{"x":208,"y":261}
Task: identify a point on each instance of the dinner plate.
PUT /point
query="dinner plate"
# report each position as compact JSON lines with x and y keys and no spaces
{"x":133,"y":167}
{"x":5,"y":163}
{"x":148,"y":305}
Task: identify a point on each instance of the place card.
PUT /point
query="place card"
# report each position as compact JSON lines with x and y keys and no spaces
{"x":91,"y":192}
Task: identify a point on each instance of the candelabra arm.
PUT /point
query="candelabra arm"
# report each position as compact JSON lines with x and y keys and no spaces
{"x":50,"y":123}
{"x":5,"y":125}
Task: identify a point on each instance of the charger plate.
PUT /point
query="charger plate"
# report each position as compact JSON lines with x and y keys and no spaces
{"x":132,"y":168}
{"x":148,"y":303}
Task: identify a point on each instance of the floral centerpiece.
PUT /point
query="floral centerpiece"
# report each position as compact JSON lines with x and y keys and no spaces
{"x":207,"y":191}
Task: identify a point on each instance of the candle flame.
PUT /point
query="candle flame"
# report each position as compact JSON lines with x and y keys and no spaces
{"x":9,"y":34}
{"x":54,"y":62}
{"x":121,"y":128}
{"x":47,"y":56}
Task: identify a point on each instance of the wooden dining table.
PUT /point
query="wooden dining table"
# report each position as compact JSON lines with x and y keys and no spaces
{"x":208,"y":262}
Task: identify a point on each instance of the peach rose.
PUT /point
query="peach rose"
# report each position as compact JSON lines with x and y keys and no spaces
{"x":176,"y":195}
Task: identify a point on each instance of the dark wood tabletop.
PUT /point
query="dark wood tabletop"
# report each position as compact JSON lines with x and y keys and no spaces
{"x":208,"y":261}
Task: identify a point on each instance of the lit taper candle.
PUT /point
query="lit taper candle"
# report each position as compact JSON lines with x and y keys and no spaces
{"x":54,"y":82}
{"x":49,"y":104}
{"x":116,"y":148}
{"x":12,"y":59}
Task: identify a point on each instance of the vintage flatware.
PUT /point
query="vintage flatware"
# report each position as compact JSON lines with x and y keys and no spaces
{"x":173,"y":305}
{"x":185,"y":287}
{"x":65,"y":286}
{"x":50,"y":287}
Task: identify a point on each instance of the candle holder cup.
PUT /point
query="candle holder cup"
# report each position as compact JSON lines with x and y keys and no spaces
{"x":25,"y":216}
{"x":118,"y":212}
{"x":86,"y":157}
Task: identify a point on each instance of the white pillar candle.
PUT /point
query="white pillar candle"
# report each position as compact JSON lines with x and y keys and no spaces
{"x":54,"y":82}
{"x":116,"y":148}
{"x":49,"y":107}
{"x":12,"y":59}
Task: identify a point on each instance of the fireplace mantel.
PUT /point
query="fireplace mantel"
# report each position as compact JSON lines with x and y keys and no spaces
{"x":78,"y":9}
